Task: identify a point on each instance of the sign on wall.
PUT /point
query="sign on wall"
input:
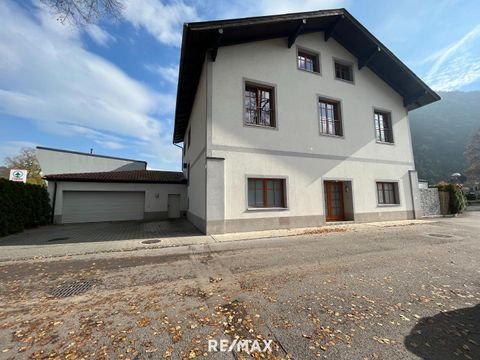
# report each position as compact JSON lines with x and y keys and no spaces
{"x":18,"y":175}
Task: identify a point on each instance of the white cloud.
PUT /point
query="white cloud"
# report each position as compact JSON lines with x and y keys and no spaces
{"x":287,"y":6}
{"x":162,"y":20}
{"x":98,"y":35}
{"x":52,"y":79}
{"x":11,"y":148}
{"x":105,"y":140}
{"x":274,"y":7}
{"x":168,"y":73}
{"x":457,"y":65}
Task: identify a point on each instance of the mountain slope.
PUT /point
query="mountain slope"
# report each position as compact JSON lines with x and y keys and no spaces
{"x":441,"y":132}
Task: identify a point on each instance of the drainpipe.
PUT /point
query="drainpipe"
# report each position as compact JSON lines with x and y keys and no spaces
{"x":53,"y":201}
{"x":180,"y":147}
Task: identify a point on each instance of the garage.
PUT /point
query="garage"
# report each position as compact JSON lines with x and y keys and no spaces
{"x":136,"y":195}
{"x":97,"y":206}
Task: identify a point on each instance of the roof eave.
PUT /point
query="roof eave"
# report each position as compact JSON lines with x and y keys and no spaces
{"x":176,"y":137}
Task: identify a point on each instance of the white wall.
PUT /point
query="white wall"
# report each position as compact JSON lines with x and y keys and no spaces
{"x":156,"y":195}
{"x":295,"y":149}
{"x":195,"y":153}
{"x":297,"y":110}
{"x":64,"y":162}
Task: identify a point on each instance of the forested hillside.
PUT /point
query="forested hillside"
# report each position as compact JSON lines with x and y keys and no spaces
{"x":441,"y":132}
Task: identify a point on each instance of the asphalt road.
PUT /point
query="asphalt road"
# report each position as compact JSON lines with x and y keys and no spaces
{"x":400,"y":292}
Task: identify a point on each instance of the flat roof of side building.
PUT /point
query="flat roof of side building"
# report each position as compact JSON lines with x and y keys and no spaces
{"x":88,"y":154}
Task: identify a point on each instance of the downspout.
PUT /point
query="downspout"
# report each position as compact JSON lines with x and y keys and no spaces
{"x":180,"y":147}
{"x":411,"y":193}
{"x":53,"y":201}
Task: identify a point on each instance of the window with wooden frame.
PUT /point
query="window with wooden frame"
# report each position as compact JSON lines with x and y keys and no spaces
{"x":259,"y":105}
{"x":343,"y":71}
{"x":383,"y":127}
{"x":330,"y":117}
{"x":308,"y":61}
{"x":266,"y":193}
{"x":387,"y":193}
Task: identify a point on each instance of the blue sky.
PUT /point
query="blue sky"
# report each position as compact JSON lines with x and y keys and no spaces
{"x":111,"y":86}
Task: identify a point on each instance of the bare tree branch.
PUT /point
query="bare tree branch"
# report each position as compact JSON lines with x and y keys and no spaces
{"x":82,"y":12}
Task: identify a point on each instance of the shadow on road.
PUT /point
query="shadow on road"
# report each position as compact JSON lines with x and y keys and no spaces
{"x":447,"y":335}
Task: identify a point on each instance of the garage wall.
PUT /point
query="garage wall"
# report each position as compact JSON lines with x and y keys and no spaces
{"x":156,"y":195}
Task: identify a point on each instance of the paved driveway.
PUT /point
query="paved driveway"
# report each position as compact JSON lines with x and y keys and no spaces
{"x":73,"y":239}
{"x":108,"y":231}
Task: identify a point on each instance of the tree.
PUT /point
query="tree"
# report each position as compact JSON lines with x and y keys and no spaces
{"x":473,"y":158}
{"x":27,"y":160}
{"x":82,"y":12}
{"x":4,"y":172}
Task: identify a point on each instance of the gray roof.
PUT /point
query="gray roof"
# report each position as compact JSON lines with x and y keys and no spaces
{"x":132,"y":176}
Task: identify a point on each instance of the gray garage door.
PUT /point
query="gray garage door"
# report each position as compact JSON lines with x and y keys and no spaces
{"x":96,"y":206}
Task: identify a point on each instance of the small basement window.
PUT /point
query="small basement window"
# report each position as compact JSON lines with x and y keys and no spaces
{"x":266,"y":193}
{"x":308,"y":61}
{"x":387,"y":193}
{"x":259,"y":106}
{"x":343,"y":71}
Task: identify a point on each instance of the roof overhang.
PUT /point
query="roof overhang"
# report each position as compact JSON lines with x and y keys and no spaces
{"x":202,"y":37}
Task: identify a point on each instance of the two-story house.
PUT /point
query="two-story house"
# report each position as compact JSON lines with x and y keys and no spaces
{"x":294,"y":121}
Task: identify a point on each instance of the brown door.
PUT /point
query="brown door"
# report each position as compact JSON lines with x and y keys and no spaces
{"x":334,"y":200}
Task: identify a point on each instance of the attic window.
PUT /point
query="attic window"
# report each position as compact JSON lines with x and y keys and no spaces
{"x":343,"y":71}
{"x":308,"y":61}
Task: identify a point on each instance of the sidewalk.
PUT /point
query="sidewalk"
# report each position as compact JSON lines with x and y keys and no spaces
{"x":21,"y":252}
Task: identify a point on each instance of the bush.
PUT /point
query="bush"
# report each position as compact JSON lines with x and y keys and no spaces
{"x":458,"y":201}
{"x":22,"y":206}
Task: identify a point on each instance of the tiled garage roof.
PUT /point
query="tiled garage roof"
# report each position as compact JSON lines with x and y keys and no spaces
{"x":133,"y":176}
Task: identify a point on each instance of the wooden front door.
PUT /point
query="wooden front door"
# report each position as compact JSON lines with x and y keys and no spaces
{"x":334,"y":201}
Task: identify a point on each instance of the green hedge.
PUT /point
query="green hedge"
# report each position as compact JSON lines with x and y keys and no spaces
{"x":22,"y":206}
{"x":458,"y":200}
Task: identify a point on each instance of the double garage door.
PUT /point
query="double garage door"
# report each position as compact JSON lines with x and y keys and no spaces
{"x":96,"y":206}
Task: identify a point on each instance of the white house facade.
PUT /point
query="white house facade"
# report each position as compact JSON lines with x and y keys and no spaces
{"x":295,"y":121}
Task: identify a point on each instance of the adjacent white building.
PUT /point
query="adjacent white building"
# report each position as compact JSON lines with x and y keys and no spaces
{"x":294,"y":121}
{"x":87,"y":187}
{"x":60,"y":161}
